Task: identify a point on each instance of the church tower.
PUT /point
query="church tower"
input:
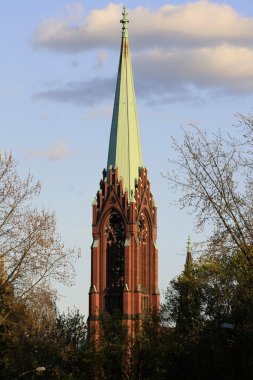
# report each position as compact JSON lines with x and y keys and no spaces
{"x":124,"y":255}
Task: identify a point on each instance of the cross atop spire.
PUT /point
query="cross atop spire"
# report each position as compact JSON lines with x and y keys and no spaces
{"x":124,"y":22}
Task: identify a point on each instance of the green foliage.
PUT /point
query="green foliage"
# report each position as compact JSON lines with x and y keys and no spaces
{"x":35,"y":338}
{"x":112,"y":351}
{"x":147,"y":354}
{"x":212,"y":311}
{"x":204,"y":331}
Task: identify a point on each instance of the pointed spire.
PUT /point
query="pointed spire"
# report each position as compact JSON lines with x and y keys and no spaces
{"x":124,"y":147}
{"x":189,"y":244}
{"x":188,"y":262}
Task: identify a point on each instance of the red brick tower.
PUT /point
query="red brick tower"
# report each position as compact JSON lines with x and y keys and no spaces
{"x":124,"y":255}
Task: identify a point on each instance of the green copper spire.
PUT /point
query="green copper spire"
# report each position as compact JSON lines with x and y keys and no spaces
{"x":124,"y":146}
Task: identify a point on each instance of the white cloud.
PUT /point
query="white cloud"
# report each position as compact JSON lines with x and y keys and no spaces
{"x":179,"y":51}
{"x":57,"y":152}
{"x":198,"y":23}
{"x":225,"y":67}
{"x":98,"y":29}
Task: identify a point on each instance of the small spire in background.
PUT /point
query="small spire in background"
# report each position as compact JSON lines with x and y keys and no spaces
{"x":188,"y":262}
{"x":189,"y":244}
{"x":124,"y":22}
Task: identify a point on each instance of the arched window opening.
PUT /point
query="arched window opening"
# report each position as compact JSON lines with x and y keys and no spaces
{"x":115,"y":246}
{"x":144,"y":243}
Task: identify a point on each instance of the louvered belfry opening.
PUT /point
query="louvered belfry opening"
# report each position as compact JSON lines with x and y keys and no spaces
{"x":115,"y":242}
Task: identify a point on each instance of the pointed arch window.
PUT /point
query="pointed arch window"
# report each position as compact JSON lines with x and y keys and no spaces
{"x":143,"y":234}
{"x":115,"y":247}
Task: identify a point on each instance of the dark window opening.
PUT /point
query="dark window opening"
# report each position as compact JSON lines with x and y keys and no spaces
{"x":115,"y":236}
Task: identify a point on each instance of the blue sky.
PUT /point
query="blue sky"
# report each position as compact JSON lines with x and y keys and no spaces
{"x":192,"y":63}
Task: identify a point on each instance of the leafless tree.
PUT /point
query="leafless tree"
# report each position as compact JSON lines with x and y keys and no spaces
{"x":213,"y":177}
{"x":31,"y":251}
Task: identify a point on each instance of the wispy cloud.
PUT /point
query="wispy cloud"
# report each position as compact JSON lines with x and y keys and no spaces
{"x":43,"y":116}
{"x":99,"y":113}
{"x":101,"y":58}
{"x":176,"y":75}
{"x":57,"y":152}
{"x":80,"y":93}
{"x":11,"y":91}
{"x":180,"y":51}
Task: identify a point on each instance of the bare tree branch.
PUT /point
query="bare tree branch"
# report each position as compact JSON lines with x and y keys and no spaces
{"x":214,"y":177}
{"x":31,"y":252}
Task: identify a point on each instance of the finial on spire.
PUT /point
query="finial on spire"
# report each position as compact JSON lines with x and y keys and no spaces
{"x":124,"y":22}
